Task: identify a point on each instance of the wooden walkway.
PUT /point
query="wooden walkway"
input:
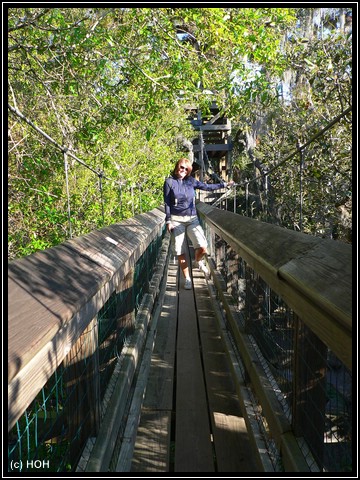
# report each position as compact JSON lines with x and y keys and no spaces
{"x":190,"y":418}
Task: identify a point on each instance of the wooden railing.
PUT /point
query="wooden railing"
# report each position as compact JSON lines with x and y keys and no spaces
{"x":313,"y":275}
{"x":56,"y":293}
{"x":313,"y":278}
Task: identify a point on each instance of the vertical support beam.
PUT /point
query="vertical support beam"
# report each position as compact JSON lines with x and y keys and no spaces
{"x":201,"y":139}
{"x":82,"y":381}
{"x":126,"y":308}
{"x":228,"y":154}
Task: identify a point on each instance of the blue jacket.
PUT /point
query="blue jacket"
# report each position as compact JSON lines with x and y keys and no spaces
{"x":179,"y":195}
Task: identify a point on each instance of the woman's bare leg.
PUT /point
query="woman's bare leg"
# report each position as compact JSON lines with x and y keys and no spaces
{"x":199,"y":253}
{"x":183,"y":265}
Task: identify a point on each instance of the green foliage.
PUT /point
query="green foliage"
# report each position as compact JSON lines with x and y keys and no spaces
{"x":316,"y":199}
{"x":111,"y":84}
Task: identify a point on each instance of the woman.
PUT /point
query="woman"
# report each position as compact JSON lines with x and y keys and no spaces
{"x":181,"y":216}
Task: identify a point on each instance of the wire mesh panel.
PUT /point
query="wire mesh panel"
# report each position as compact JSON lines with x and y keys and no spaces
{"x":53,"y":430}
{"x":313,"y":386}
{"x":323,"y":404}
{"x":40,"y":434}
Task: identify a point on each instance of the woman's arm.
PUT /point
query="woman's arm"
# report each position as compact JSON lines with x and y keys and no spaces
{"x":212,"y":186}
{"x":167,"y":200}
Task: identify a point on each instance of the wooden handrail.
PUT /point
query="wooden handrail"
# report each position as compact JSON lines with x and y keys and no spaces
{"x":55,"y":293}
{"x":313,"y":275}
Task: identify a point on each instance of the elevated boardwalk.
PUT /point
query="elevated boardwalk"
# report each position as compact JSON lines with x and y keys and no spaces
{"x":190,"y":418}
{"x":92,"y":329}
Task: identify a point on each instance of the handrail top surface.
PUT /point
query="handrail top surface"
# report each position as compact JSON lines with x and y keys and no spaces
{"x":46,"y":289}
{"x":319,"y":268}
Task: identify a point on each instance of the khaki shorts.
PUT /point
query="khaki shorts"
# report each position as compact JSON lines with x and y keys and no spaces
{"x":190,"y":226}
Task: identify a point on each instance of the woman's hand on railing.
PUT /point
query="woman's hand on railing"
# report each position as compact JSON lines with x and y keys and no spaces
{"x":229,"y":184}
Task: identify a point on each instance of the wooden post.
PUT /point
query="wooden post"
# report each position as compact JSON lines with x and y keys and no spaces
{"x":125,"y":311}
{"x":82,"y":381}
{"x":201,"y":156}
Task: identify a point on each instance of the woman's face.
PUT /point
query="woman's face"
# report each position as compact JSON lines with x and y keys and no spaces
{"x":182,"y":170}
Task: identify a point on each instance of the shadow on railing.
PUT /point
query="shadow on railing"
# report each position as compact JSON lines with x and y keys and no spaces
{"x":290,"y":316}
{"x":72,"y":311}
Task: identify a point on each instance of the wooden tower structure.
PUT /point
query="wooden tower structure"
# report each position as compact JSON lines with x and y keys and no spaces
{"x":212,"y":147}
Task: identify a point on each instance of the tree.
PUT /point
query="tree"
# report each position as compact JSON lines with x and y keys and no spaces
{"x":311,"y":193}
{"x":112,"y":85}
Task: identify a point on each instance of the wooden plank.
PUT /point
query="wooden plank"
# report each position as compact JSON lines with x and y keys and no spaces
{"x":212,"y":128}
{"x":128,"y":441}
{"x":264,"y":246}
{"x":47,"y":288}
{"x":292,"y":457}
{"x":220,"y":147}
{"x":226,"y":312}
{"x":114,"y":245}
{"x":276,"y":252}
{"x":193,"y":447}
{"x":34,"y":374}
{"x":159,"y":391}
{"x":329,"y":278}
{"x":231,"y":441}
{"x":224,"y":120}
{"x":152,"y":445}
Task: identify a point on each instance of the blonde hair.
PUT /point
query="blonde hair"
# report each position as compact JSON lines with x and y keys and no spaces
{"x":188,"y":164}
